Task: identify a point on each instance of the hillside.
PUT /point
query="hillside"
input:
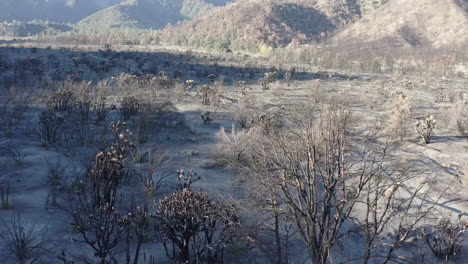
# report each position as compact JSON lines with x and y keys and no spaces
{"x":153,"y":14}
{"x":249,"y":24}
{"x":252,"y":25}
{"x":68,"y":11}
{"x":24,"y":29}
{"x":402,"y":23}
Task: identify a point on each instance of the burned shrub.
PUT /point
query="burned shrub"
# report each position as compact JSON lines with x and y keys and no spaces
{"x":12,"y":110}
{"x":458,"y":116}
{"x":129,"y":107}
{"x":95,"y":216}
{"x":5,"y":202}
{"x":446,"y":238}
{"x":83,"y":106}
{"x":208,"y":95}
{"x":206,"y":117}
{"x":51,"y":127}
{"x":195,"y":226}
{"x":25,"y":243}
{"x":101,"y":109}
{"x":62,"y":100}
{"x":288,"y":76}
{"x":399,"y":115}
{"x":267,"y":79}
{"x":425,"y":128}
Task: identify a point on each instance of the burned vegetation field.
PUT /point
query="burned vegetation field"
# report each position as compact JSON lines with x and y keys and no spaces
{"x":138,"y":155}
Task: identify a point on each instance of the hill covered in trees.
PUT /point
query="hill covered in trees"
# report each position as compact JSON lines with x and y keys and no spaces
{"x":24,"y":29}
{"x":266,"y":24}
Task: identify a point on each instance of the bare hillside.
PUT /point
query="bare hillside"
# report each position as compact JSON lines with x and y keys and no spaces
{"x":402,"y":23}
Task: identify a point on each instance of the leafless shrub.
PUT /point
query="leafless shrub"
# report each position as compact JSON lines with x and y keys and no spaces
{"x":425,"y":128}
{"x":243,"y":111}
{"x":22,"y":243}
{"x":243,"y":85}
{"x":446,"y":238}
{"x":458,"y":114}
{"x":267,"y":79}
{"x":95,"y":215}
{"x":12,"y":110}
{"x":452,"y":95}
{"x":62,"y":100}
{"x":439,"y":96}
{"x":55,"y":178}
{"x":15,"y":153}
{"x":5,"y":202}
{"x":186,"y":179}
{"x":51,"y":126}
{"x":266,"y":122}
{"x":83,"y":106}
{"x":446,"y":95}
{"x":164,"y":81}
{"x":129,"y":107}
{"x":151,"y":116}
{"x":288,"y":76}
{"x":101,"y":109}
{"x":399,"y":115}
{"x":151,"y":175}
{"x":320,"y":177}
{"x":314,"y":92}
{"x":208,"y":95}
{"x":394,"y":211}
{"x":195,"y":225}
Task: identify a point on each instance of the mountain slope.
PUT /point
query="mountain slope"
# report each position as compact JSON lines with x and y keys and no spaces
{"x":153,"y":14}
{"x":428,"y":23}
{"x":249,"y":24}
{"x":253,"y":24}
{"x":69,"y":11}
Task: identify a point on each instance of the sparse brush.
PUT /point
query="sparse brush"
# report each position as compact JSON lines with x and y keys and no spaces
{"x":400,"y":113}
{"x":129,"y":107}
{"x":425,"y":128}
{"x":16,"y":154}
{"x":458,"y":114}
{"x":266,"y":122}
{"x":24,"y":243}
{"x":95,"y":215}
{"x":446,"y":95}
{"x":195,"y":225}
{"x":267,"y":79}
{"x":5,"y":202}
{"x":12,"y":110}
{"x":288,"y":76}
{"x":207,"y":94}
{"x":51,"y":126}
{"x":83,"y":105}
{"x":243,"y":85}
{"x":446,"y":238}
{"x":55,"y":177}
{"x":101,"y":109}
{"x":186,"y":179}
{"x":62,"y":100}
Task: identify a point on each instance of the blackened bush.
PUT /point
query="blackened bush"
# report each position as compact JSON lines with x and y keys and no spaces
{"x":197,"y":226}
{"x":51,"y":126}
{"x":129,"y":107}
{"x":61,"y":100}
